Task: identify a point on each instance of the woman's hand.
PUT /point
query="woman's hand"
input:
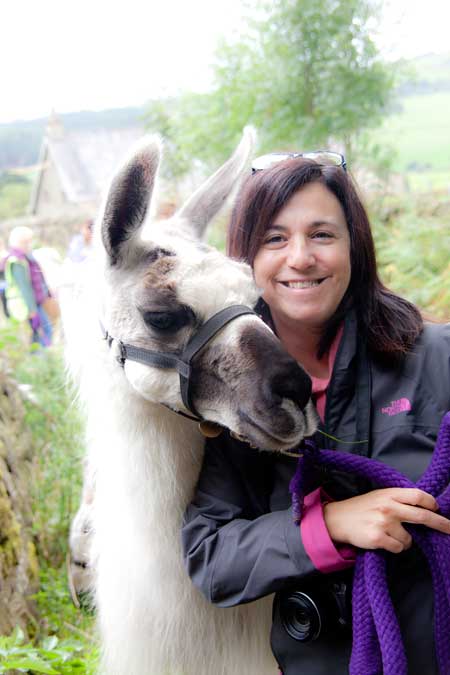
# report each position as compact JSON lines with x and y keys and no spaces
{"x":375,"y":520}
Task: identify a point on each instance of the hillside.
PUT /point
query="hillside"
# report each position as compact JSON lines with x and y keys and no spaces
{"x":417,"y":132}
{"x":427,"y":74}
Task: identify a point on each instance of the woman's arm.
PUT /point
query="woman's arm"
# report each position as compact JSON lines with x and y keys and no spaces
{"x":235,"y":548}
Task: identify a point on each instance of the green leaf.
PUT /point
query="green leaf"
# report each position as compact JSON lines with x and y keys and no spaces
{"x":18,"y":636}
{"x":27,"y":663}
{"x":50,"y":643}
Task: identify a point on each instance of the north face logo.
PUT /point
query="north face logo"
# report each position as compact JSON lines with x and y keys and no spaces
{"x":396,"y":407}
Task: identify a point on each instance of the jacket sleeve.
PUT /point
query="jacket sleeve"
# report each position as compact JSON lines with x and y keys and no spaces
{"x":19,"y":274}
{"x":236,"y":549}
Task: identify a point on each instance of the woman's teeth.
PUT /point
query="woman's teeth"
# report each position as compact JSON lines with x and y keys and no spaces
{"x":302,"y":284}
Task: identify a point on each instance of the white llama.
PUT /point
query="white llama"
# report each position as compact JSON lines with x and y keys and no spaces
{"x":153,"y":287}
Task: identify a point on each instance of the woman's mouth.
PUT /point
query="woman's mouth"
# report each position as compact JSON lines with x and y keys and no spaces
{"x":310,"y":283}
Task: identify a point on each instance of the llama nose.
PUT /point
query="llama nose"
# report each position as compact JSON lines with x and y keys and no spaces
{"x":289,"y":380}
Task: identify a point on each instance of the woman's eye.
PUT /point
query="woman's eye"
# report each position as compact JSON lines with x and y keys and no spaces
{"x":322,"y":235}
{"x":274,"y":239}
{"x":167,"y":321}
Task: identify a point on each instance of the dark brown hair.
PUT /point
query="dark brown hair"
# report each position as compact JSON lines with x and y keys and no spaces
{"x":389,"y":323}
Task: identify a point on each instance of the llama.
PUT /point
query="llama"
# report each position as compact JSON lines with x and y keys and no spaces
{"x":153,"y":285}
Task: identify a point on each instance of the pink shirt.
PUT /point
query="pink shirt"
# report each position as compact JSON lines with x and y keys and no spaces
{"x":320,"y":386}
{"x":324,"y":554}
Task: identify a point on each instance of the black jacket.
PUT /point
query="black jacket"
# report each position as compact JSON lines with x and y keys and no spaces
{"x":239,"y":538}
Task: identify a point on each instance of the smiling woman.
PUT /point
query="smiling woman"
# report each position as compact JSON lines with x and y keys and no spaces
{"x":303,"y":264}
{"x":302,"y":227}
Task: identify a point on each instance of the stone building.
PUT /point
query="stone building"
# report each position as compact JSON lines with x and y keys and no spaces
{"x":74,"y":168}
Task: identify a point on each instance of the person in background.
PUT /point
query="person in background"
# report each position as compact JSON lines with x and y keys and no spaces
{"x":166,"y":209}
{"x":381,"y":386}
{"x":80,"y":244}
{"x":3,"y":254}
{"x":26,"y":288}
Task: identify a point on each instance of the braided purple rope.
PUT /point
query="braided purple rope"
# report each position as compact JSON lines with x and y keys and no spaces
{"x":377,"y":641}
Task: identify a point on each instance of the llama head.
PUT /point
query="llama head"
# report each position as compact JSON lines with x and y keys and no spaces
{"x":163,"y":282}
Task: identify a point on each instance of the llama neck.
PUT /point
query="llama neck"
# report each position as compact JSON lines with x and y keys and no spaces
{"x":150,"y":454}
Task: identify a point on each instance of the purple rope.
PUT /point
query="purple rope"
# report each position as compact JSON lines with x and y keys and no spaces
{"x":377,"y":641}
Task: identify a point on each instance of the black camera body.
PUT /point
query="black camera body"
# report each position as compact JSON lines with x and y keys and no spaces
{"x":316,"y":607}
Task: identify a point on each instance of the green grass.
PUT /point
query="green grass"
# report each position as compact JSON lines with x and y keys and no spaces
{"x":52,"y":656}
{"x":64,"y":639}
{"x":15,"y":191}
{"x":419,"y":134}
{"x":55,"y":423}
{"x":432,"y":69}
{"x":412,"y":235}
{"x":429,"y":181}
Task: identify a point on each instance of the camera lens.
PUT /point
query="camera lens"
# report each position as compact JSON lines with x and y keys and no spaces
{"x":300,"y":616}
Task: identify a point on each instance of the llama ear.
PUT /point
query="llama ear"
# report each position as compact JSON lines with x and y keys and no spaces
{"x":129,"y":197}
{"x":209,"y":198}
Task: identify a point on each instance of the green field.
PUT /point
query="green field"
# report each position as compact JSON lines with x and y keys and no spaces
{"x":418,"y":132}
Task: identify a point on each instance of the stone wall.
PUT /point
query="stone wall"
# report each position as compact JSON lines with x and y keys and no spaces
{"x":18,"y":561}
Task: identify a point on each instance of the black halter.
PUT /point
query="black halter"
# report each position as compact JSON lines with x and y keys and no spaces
{"x":179,"y":362}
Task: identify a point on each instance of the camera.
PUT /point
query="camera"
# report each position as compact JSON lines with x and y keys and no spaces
{"x":307,"y":612}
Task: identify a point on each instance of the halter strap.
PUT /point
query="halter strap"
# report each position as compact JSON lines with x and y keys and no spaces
{"x":175,"y":361}
{"x":204,"y":334}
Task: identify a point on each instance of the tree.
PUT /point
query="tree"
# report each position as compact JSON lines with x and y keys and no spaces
{"x":304,"y":72}
{"x":160,"y":117}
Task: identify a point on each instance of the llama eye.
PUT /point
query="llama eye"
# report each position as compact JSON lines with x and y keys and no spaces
{"x":168,"y":321}
{"x":161,"y":320}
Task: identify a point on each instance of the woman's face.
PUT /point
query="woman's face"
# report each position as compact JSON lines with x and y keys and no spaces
{"x":26,"y":244}
{"x":303,"y":264}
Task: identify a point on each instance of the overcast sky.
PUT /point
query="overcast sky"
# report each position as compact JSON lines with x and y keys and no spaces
{"x":93,"y":54}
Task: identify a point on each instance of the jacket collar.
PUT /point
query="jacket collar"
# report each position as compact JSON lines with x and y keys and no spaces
{"x":350,"y":384}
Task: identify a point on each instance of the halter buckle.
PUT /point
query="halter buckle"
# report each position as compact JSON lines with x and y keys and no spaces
{"x":122,"y":353}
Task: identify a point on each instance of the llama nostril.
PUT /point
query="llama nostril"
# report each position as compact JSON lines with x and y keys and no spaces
{"x":291,"y":382}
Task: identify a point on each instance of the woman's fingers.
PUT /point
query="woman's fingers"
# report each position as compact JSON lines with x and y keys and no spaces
{"x":398,"y":532}
{"x":413,"y":496}
{"x":375,"y":519}
{"x":392,"y":544}
{"x":420,"y":516}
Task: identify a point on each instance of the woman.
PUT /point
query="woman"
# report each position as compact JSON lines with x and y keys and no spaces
{"x":381,"y":387}
{"x":26,"y":288}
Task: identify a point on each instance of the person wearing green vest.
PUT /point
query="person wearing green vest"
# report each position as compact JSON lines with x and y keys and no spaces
{"x":26,"y":288}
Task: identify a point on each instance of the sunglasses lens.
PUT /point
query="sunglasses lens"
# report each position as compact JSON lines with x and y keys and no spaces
{"x":321,"y":157}
{"x":266,"y":161}
{"x":329,"y":158}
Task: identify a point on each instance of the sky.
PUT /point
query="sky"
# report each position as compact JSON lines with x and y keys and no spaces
{"x":70,"y":55}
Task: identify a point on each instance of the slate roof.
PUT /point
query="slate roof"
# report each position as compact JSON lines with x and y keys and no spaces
{"x":84,"y":160}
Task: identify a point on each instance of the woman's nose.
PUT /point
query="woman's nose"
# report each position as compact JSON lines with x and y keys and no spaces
{"x":300,"y":255}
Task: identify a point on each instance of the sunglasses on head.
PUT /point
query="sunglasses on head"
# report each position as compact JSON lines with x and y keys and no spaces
{"x":326,"y":157}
